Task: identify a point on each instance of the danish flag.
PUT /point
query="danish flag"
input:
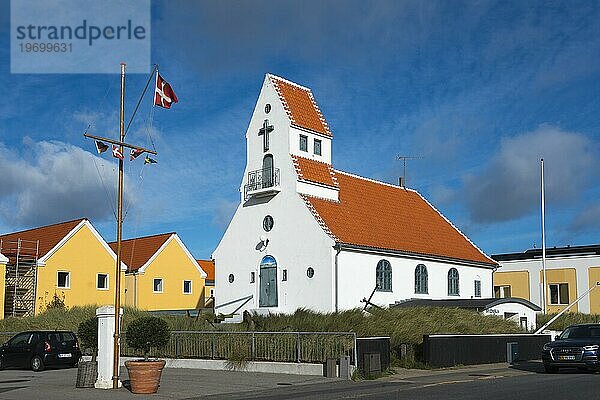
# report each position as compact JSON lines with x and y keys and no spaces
{"x":164,"y":95}
{"x":117,"y":152}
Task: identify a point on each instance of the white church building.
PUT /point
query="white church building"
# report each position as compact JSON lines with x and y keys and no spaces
{"x":306,"y":235}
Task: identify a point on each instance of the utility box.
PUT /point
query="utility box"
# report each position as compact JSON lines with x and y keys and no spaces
{"x":345,"y":368}
{"x":331,"y":368}
{"x":512,"y":352}
{"x":372,"y":363}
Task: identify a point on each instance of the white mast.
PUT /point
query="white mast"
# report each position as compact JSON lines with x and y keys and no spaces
{"x":544,"y":300}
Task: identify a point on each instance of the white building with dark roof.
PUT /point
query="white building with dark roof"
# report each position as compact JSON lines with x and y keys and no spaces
{"x":308,"y":235}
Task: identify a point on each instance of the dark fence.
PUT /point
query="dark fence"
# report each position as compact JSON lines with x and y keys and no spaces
{"x":449,"y":350}
{"x":367,"y":347}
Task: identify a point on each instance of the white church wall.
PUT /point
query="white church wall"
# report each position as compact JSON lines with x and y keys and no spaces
{"x":288,"y":242}
{"x":317,"y":190}
{"x":310,"y":153}
{"x":357,"y":277}
{"x":296,"y":240}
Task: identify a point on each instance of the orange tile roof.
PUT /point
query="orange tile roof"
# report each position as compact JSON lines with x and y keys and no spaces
{"x":208,"y":266}
{"x":48,"y":236}
{"x":300,"y":105}
{"x":378,"y":215}
{"x":314,"y":171}
{"x":137,"y":251}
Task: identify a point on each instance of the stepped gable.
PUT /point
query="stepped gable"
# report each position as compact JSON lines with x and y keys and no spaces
{"x":137,"y":251}
{"x":49,"y":236}
{"x":314,"y":171}
{"x":300,"y":106}
{"x":378,"y":215}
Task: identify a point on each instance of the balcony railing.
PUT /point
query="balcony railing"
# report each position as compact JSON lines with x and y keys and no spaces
{"x":262,"y":181}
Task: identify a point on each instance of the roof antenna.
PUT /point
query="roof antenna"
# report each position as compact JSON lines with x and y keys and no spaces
{"x":402,"y":179}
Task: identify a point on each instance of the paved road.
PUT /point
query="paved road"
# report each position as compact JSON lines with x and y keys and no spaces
{"x":497,"y":381}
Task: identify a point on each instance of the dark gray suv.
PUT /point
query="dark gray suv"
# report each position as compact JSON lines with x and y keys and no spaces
{"x":577,"y":346}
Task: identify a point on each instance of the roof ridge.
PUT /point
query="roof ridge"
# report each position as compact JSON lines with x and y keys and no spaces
{"x":376,"y":181}
{"x":270,"y":75}
{"x":44,"y":226}
{"x":145,"y":237}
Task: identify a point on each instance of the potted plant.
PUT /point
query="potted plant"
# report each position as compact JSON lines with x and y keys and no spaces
{"x":87,"y":371}
{"x":143,"y":334}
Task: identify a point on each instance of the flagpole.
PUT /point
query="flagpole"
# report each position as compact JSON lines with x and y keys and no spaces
{"x":118,"y":146}
{"x":543,"y":241}
{"x":116,"y":353}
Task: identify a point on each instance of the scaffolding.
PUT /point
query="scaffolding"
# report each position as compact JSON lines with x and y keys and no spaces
{"x":21,"y":277}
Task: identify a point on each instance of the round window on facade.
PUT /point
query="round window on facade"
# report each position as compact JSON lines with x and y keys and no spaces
{"x":267,"y":108}
{"x":231,"y":278}
{"x":310,"y":272}
{"x":268,"y":223}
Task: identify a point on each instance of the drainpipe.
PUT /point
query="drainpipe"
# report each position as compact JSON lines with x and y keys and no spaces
{"x":135,"y":289}
{"x":338,"y":249}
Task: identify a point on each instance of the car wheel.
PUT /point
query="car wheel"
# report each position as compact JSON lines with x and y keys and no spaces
{"x":37,"y":364}
{"x":75,"y":363}
{"x":2,"y":363}
{"x":550,"y":369}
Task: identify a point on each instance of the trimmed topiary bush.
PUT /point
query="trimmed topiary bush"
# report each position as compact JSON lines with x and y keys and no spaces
{"x":147,"y":332}
{"x":87,"y":332}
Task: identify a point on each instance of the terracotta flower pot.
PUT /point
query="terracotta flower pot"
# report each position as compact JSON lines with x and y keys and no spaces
{"x":144,"y":376}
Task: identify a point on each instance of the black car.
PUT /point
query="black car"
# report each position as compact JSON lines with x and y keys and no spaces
{"x":38,"y":349}
{"x":577,"y":346}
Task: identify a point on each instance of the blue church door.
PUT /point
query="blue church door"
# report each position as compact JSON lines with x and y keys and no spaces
{"x":268,"y":282}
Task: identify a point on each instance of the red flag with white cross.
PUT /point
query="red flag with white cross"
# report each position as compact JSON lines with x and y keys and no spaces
{"x":164,"y":95}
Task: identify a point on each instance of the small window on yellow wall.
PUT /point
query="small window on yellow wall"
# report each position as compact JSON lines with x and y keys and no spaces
{"x":187,"y":287}
{"x":157,"y":285}
{"x":559,"y":293}
{"x":63,"y":279}
{"x":102,"y":281}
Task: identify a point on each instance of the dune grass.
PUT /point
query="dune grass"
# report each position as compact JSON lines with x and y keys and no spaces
{"x":567,"y":319}
{"x":403,"y":325}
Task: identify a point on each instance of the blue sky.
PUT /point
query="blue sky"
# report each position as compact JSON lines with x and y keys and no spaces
{"x":480,"y":90}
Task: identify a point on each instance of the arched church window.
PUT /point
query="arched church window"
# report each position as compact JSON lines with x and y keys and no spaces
{"x":383,"y":276}
{"x":421,"y":284}
{"x":231,"y":278}
{"x":453,"y":288}
{"x":267,"y":171}
{"x":267,"y":108}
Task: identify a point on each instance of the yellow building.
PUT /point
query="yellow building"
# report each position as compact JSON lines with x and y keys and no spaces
{"x":570,"y":272}
{"x":3,"y":262}
{"x":161,"y":275}
{"x":67,"y":263}
{"x":208,"y":266}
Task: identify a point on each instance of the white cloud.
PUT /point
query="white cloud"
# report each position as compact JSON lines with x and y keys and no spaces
{"x":52,"y":181}
{"x":509,"y":186}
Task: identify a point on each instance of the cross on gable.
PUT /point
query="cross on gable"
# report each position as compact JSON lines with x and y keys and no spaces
{"x":264,"y":132}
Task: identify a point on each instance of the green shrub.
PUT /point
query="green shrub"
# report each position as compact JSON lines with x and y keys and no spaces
{"x":146,"y":333}
{"x":88,"y":335}
{"x":57,"y":303}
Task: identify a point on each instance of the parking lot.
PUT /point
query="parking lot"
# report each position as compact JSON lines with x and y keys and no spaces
{"x":492,"y":381}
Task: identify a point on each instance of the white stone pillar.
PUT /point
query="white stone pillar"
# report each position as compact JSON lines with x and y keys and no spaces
{"x":106,"y":332}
